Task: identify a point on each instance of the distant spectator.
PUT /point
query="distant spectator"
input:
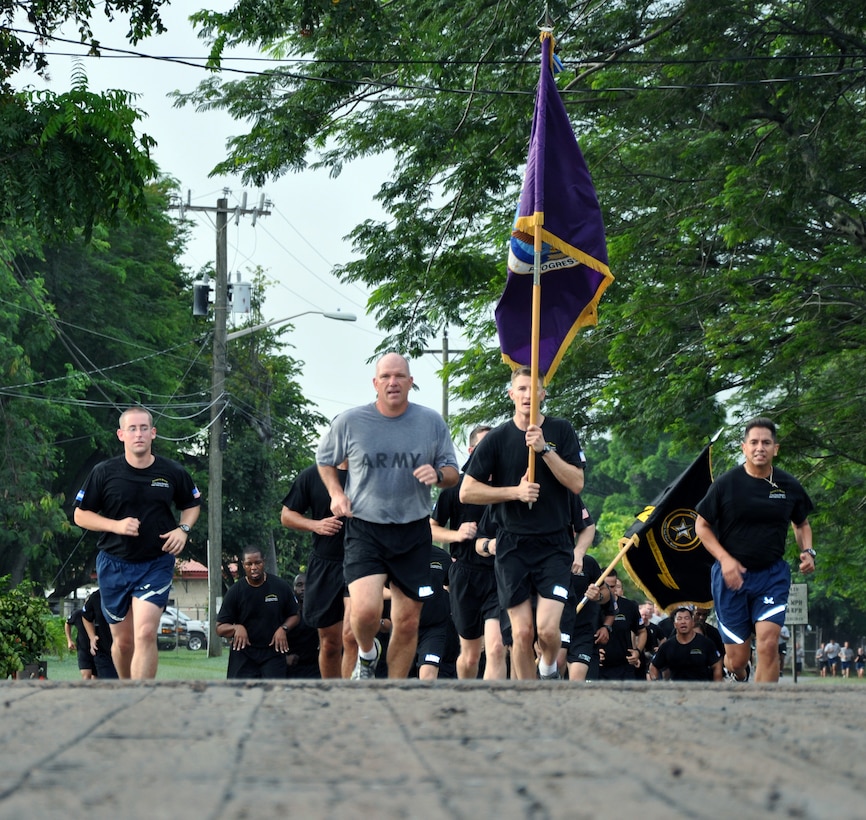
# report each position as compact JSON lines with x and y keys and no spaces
{"x":821,"y":660}
{"x":859,"y":661}
{"x":846,"y":658}
{"x":831,"y":653}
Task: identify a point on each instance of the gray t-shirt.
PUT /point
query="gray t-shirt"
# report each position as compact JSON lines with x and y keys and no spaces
{"x":383,"y":452}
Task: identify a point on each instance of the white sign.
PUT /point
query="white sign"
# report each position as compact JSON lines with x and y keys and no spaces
{"x":798,"y":604}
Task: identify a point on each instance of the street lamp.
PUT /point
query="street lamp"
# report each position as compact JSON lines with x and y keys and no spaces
{"x":215,"y":461}
{"x":336,"y":316}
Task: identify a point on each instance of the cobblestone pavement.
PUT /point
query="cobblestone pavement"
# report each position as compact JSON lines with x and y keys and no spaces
{"x":406,"y":749}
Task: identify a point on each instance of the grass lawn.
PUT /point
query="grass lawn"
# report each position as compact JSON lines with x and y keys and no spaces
{"x":174,"y":664}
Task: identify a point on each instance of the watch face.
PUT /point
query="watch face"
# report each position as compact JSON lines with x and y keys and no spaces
{"x":184,"y":527}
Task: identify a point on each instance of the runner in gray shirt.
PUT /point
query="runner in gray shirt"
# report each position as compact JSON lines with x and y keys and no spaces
{"x":396,"y":452}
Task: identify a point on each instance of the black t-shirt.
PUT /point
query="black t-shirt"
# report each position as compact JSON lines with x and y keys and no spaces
{"x":592,"y":613}
{"x":654,"y":636}
{"x":626,"y":621}
{"x":580,"y":515}
{"x":437,"y":608}
{"x":501,"y":459}
{"x":118,"y":490}
{"x":82,"y":640}
{"x":487,"y":528}
{"x":304,"y":642}
{"x":93,"y":613}
{"x":751,"y":517}
{"x":308,"y":494}
{"x":690,"y":661}
{"x":709,"y":631}
{"x":451,"y":512}
{"x":261,"y":610}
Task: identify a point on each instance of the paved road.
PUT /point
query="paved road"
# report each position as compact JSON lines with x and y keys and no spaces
{"x":411,"y":750}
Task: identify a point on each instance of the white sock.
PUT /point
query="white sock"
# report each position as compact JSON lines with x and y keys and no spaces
{"x":544,"y":669}
{"x":369,"y":655}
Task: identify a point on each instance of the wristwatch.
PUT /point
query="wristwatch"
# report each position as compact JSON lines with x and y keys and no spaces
{"x":283,"y":626}
{"x":809,"y":551}
{"x":184,"y":527}
{"x":545,"y":450}
{"x":440,"y":476}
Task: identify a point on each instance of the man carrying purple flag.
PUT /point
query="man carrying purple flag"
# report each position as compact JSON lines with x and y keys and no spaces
{"x":558,"y":231}
{"x":534,"y":545}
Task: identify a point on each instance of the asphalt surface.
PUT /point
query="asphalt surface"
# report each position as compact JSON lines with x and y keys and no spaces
{"x":407,"y":749}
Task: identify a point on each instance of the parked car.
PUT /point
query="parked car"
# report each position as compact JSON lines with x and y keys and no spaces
{"x":176,"y":628}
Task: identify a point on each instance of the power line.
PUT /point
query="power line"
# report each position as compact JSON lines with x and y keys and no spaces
{"x":438,"y":90}
{"x":199,"y":61}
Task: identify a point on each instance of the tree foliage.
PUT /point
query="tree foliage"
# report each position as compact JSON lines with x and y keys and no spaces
{"x":92,"y":328}
{"x":22,"y":47}
{"x":725,"y":141}
{"x":68,"y":161}
{"x":95,"y":316}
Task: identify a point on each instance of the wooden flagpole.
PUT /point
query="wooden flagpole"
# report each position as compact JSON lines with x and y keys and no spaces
{"x":536,"y":334}
{"x":546,"y":26}
{"x":626,"y":544}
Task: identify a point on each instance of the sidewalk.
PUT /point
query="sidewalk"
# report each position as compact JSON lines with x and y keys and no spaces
{"x":406,"y":749}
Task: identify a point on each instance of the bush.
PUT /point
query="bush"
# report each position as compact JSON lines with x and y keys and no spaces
{"x":24,"y":627}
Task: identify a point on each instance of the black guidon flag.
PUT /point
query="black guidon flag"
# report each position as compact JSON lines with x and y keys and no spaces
{"x":668,"y":562}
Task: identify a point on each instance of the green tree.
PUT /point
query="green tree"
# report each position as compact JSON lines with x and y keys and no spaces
{"x":30,"y":512}
{"x":22,"y":47}
{"x":126,"y":337}
{"x":68,"y":160}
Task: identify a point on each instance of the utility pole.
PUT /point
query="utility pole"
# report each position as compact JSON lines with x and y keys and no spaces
{"x":218,"y":405}
{"x":444,"y":352}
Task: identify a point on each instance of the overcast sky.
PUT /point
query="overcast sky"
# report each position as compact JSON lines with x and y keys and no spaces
{"x":296,"y":245}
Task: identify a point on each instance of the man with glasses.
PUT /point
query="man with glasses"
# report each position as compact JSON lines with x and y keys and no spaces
{"x":257,"y":614}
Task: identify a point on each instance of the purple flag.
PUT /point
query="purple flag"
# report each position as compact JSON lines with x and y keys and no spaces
{"x":558,"y":194}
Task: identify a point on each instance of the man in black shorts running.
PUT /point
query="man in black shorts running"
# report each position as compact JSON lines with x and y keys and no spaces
{"x":129,"y":500}
{"x":396,"y":451}
{"x":534,"y":549}
{"x":80,"y":644}
{"x":471,"y":582}
{"x":307,"y":508}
